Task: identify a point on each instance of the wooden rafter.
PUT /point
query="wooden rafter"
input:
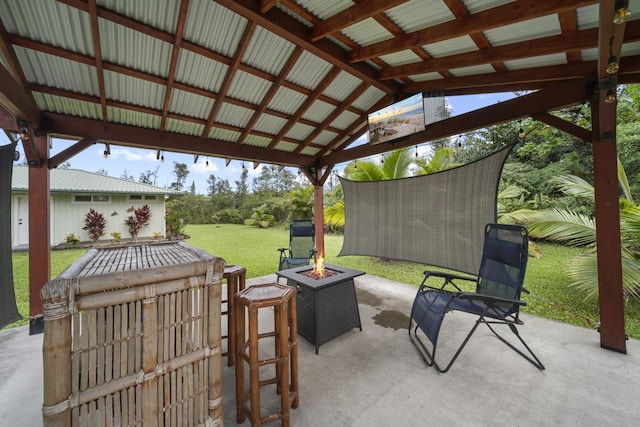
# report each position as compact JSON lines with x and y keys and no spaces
{"x":173,"y":64}
{"x":97,"y":53}
{"x":231,"y":71}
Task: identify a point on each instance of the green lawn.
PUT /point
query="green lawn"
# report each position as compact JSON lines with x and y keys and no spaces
{"x":256,"y":250}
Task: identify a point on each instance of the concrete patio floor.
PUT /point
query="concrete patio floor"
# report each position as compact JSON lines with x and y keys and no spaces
{"x":376,"y":377}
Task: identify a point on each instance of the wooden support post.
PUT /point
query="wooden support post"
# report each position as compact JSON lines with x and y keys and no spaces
{"x":39,"y":236}
{"x":612,"y":334}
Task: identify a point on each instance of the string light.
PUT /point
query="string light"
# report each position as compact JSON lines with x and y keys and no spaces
{"x":622,"y":12}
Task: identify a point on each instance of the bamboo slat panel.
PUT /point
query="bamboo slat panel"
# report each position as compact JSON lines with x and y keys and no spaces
{"x":134,"y":333}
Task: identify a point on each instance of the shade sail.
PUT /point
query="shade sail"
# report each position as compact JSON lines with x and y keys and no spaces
{"x":436,"y":219}
{"x":8,"y":309}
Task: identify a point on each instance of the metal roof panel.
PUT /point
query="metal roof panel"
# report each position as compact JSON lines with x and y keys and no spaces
{"x":342,"y":86}
{"x":401,"y":58}
{"x":308,"y":71}
{"x":58,"y":104}
{"x":133,"y":118}
{"x":204,"y":15}
{"x":186,"y":128}
{"x":543,"y":26}
{"x":286,"y":100}
{"x":162,"y":14}
{"x":418,"y":14}
{"x":32,"y":19}
{"x":538,"y":61}
{"x":366,"y":32}
{"x":190,"y":104}
{"x":61,"y":73}
{"x":269,"y":124}
{"x":267,"y":51}
{"x":318,"y":111}
{"x":247,"y":87}
{"x":124,"y":46}
{"x":199,"y":71}
{"x":133,"y":90}
{"x":462,"y":44}
{"x":299,"y":131}
{"x":234,"y":115}
{"x":344,"y":120}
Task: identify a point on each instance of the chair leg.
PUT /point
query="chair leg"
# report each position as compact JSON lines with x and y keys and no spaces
{"x":431,"y":355}
{"x":533,"y":359}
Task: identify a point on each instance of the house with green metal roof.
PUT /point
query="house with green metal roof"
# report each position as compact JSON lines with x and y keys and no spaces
{"x":73,"y":192}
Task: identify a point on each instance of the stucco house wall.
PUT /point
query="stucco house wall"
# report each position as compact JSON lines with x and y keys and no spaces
{"x":74,"y":192}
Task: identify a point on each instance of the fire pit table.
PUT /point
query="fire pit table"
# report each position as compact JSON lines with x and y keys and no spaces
{"x":326,"y":306}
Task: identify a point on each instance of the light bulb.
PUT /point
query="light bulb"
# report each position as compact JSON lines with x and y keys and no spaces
{"x":612,"y":66}
{"x":622,"y":15}
{"x":610,"y":98}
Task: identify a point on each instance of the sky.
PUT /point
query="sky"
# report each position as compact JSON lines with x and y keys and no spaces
{"x":134,"y":161}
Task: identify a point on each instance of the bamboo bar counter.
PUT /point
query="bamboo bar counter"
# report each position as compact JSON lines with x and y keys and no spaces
{"x":132,"y":337}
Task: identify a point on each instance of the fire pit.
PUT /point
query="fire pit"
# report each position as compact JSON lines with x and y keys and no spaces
{"x":326,"y":306}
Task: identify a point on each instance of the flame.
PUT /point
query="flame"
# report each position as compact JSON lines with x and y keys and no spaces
{"x":318,"y":267}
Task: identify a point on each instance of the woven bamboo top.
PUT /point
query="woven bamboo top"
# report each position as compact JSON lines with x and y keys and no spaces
{"x":138,"y":257}
{"x":265,"y":295}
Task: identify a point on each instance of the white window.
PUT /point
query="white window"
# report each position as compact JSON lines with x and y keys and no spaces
{"x":86,"y":198}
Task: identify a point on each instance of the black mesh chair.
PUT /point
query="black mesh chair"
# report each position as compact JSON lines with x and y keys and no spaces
{"x":496,"y":300}
{"x":301,"y":245}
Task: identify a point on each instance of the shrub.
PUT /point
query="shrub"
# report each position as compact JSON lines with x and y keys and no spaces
{"x":139,"y":219}
{"x":175,"y":222}
{"x":230,"y":216}
{"x":71,"y":239}
{"x":116,"y":236}
{"x":94,"y":224}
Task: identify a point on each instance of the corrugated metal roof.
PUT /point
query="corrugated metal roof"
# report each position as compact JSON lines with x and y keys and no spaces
{"x":50,"y":70}
{"x":267,"y":51}
{"x":544,"y":26}
{"x":63,"y":105}
{"x":247,"y":87}
{"x":79,"y":181}
{"x":53,"y":42}
{"x":300,"y":132}
{"x":418,"y":14}
{"x":213,"y":26}
{"x":367,"y":32}
{"x":453,"y":46}
{"x":190,"y":104}
{"x":199,"y":71}
{"x":133,"y":90}
{"x":342,"y":86}
{"x":133,"y":49}
{"x":286,"y":100}
{"x":318,"y":111}
{"x":133,"y":118}
{"x":309,"y":70}
{"x":161,"y":14}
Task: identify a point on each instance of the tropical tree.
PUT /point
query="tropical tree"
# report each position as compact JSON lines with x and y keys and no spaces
{"x":579,"y":229}
{"x":260,"y":218}
{"x":301,"y":201}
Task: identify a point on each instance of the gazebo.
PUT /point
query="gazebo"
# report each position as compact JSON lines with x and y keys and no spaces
{"x":291,"y":82}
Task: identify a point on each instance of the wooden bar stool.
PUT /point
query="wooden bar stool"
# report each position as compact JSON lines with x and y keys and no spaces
{"x":283,"y":301}
{"x":236,"y":280}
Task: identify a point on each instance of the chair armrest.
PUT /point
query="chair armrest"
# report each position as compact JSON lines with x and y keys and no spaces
{"x":282,"y":250}
{"x":448,"y":279}
{"x":488,"y":299}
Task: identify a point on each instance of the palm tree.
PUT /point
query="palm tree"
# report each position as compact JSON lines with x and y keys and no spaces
{"x":576,"y":229}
